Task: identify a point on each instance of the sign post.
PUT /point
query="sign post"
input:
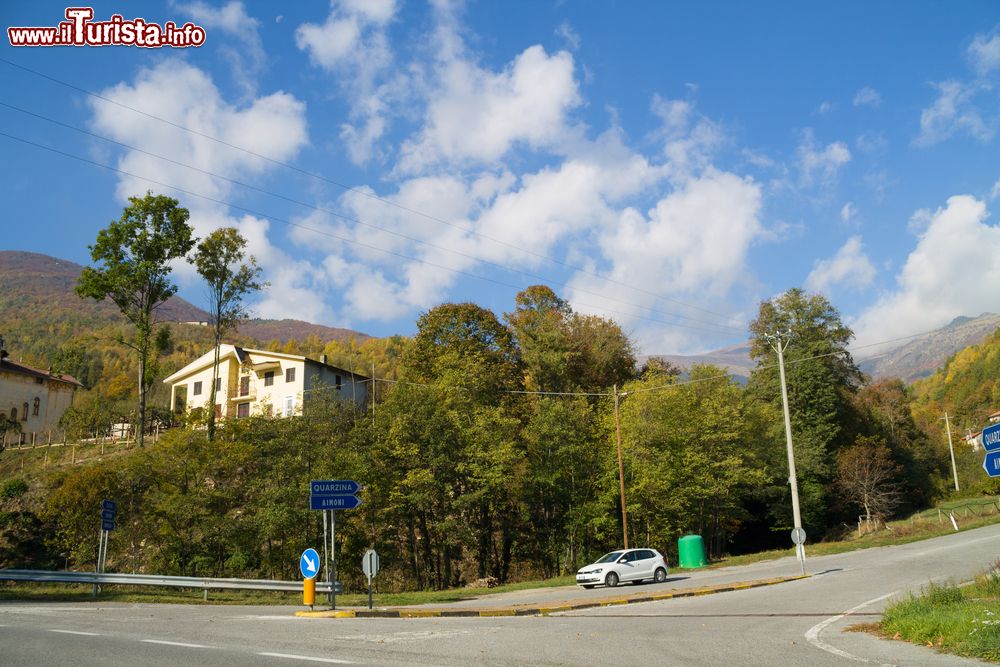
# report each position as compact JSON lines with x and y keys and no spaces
{"x":369,"y":564}
{"x":991,"y":443}
{"x":309,"y":567}
{"x":109,"y":510}
{"x":331,"y":495}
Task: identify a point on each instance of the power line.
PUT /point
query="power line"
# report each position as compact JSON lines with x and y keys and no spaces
{"x":330,"y":234}
{"x":718,"y":328}
{"x":354,"y":190}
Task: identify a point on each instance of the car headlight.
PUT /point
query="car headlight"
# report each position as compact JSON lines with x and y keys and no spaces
{"x":599,"y":570}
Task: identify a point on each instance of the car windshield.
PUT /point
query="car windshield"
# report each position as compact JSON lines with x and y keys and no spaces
{"x":610,"y":558}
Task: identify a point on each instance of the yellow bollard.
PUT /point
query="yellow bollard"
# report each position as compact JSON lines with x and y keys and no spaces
{"x":309,"y":592}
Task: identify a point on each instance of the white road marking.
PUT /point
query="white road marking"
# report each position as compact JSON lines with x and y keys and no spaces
{"x":76,"y":632}
{"x":306,"y":657}
{"x":163,"y":641}
{"x":812,"y":635}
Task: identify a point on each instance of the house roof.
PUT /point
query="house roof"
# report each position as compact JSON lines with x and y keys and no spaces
{"x":8,"y":366}
{"x":243,"y":355}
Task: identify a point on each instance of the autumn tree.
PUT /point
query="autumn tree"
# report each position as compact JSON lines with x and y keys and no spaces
{"x":867,"y":477}
{"x":231,"y":276}
{"x":133,"y":256}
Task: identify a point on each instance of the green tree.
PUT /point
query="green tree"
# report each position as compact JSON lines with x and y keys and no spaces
{"x":231,"y":277}
{"x":821,"y":378}
{"x":133,"y":255}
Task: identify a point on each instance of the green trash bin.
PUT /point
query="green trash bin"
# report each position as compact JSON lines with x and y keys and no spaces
{"x":691,"y":551}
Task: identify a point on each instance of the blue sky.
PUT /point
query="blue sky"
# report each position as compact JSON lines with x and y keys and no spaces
{"x":665,"y":164}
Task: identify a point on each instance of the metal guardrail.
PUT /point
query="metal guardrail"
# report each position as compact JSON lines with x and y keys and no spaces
{"x":204,"y":583}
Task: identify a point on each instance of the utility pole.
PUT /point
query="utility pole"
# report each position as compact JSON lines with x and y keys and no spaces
{"x":951,"y":449}
{"x":621,"y":471}
{"x":779,"y":342}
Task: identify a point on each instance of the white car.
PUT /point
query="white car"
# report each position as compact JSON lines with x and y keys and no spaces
{"x":634,"y":565}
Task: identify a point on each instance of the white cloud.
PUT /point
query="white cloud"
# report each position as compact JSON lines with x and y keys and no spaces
{"x":247,"y":59}
{"x":952,"y":112}
{"x":868,"y":97}
{"x":821,"y":164}
{"x":954,"y":270}
{"x":825,"y":107}
{"x":273,"y":126}
{"x":995,"y":192}
{"x":569,"y":35}
{"x":476,"y":116}
{"x":690,"y":139}
{"x":353,"y":44}
{"x":984,"y":53}
{"x":848,"y":212}
{"x":695,"y":240}
{"x":850,"y":266}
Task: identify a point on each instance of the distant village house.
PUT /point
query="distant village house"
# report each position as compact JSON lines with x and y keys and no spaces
{"x":33,"y":400}
{"x":258,"y":382}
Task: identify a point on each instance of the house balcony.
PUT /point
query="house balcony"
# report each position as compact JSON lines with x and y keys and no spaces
{"x":241,"y":392}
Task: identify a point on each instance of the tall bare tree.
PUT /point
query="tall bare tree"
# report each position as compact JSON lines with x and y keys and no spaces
{"x":231,"y":276}
{"x":867,"y":477}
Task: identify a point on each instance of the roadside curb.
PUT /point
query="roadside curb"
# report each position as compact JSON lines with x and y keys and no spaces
{"x":546,"y":609}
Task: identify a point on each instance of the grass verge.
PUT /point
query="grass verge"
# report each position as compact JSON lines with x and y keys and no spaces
{"x":961,"y":620}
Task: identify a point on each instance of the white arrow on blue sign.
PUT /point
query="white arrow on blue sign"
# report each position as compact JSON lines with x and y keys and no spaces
{"x":992,"y":463}
{"x":333,"y":487}
{"x":309,"y":563}
{"x":991,"y":438}
{"x":333,"y":502}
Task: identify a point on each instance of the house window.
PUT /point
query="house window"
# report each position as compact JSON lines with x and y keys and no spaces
{"x":39,"y":380}
{"x":25,"y":412}
{"x":242,"y":410}
{"x":289,"y":375}
{"x":218,"y":411}
{"x":34,"y":408}
{"x":289,"y":407}
{"x":245,"y":385}
{"x":196,"y":389}
{"x":218,"y":384}
{"x":337,"y":382}
{"x":268,"y":378}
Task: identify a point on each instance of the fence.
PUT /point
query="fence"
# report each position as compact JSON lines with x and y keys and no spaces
{"x":940,"y":514}
{"x":206,"y":584}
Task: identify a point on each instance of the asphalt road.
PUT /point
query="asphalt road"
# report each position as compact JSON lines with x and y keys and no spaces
{"x":798,"y":623}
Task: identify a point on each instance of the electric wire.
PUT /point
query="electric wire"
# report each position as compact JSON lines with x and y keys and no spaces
{"x":717,"y":328}
{"x":356,"y":190}
{"x":332,"y":235}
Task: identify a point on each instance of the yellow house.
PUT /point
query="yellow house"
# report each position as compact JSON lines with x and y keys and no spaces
{"x":33,"y":398}
{"x":258,"y":382}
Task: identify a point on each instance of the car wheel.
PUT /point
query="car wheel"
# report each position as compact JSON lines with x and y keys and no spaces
{"x":611,"y":580}
{"x":660,"y":576}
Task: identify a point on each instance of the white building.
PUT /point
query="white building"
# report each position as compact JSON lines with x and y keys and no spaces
{"x":33,"y":398}
{"x":258,"y":382}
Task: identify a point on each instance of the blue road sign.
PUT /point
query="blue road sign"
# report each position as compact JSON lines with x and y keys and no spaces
{"x":992,"y":463}
{"x":333,"y":502}
{"x":107,"y":525}
{"x":991,"y":438}
{"x":107,"y":515}
{"x":109,"y":506}
{"x":333,"y":487}
{"x":309,"y":563}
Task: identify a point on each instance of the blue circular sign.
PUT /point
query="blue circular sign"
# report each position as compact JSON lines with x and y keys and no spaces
{"x":309,"y":563}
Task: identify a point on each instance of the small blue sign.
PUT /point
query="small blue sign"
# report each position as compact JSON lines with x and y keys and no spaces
{"x":333,"y":487}
{"x":309,"y":563}
{"x":991,"y":438}
{"x":992,"y":464}
{"x":333,"y":502}
{"x":107,"y":525}
{"x":109,"y":506}
{"x":107,"y":515}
